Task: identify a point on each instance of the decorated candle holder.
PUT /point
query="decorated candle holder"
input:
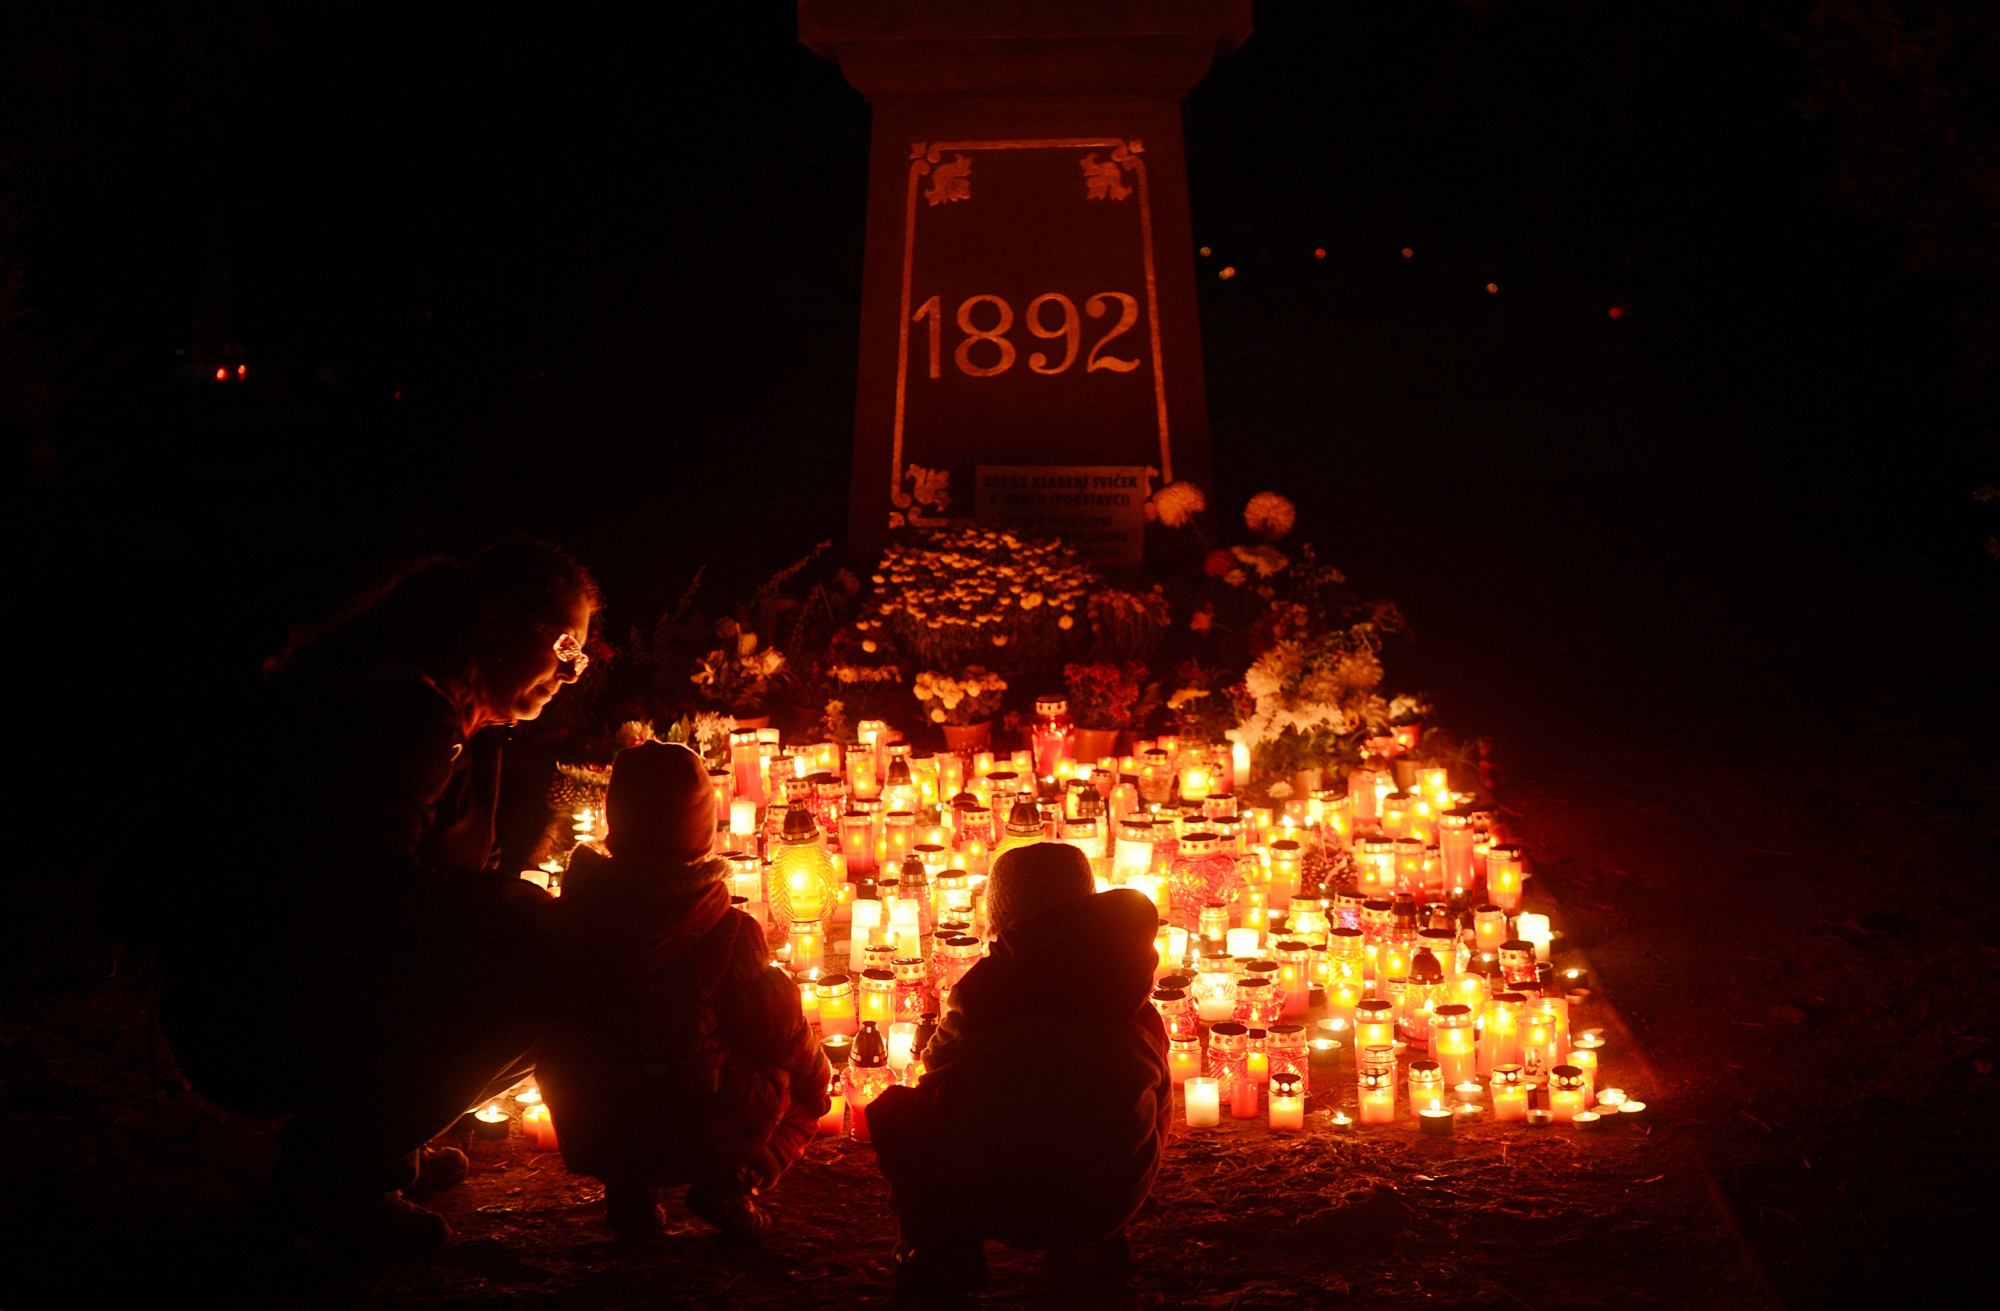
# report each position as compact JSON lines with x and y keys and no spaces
{"x":1509,"y":1091}
{"x":1375,"y":1084}
{"x":1288,"y":1103}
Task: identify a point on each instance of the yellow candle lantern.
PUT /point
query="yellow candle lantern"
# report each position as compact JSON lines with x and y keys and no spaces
{"x":1215,"y":990}
{"x":801,"y":882}
{"x":877,"y":1000}
{"x":1489,"y":928}
{"x":807,"y":946}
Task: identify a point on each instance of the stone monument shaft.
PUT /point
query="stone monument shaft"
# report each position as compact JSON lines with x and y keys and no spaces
{"x":1030,"y":351}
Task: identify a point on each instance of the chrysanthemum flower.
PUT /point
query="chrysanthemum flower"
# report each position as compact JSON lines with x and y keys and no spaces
{"x":1269,"y":515}
{"x":1178,"y":502}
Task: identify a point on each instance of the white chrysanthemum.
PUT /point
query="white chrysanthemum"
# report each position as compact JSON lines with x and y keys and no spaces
{"x":1178,"y":502}
{"x":1269,"y":515}
{"x":1266,"y":560}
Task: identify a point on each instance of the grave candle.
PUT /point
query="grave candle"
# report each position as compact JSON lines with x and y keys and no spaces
{"x":1453,"y":1044}
{"x":833,"y":999}
{"x":1585,"y":1059}
{"x":1215,"y":991}
{"x":722,"y":782}
{"x":1468,"y":990}
{"x":906,"y":920}
{"x":806,"y":946}
{"x":1530,"y":927}
{"x":1243,"y":1099}
{"x":877,"y":1002}
{"x":834,"y":1122}
{"x":1435,"y":1121}
{"x":1294,"y":981}
{"x":1510,"y":1093}
{"x":1342,"y":996}
{"x":1241,"y":942}
{"x":1374,"y":1024}
{"x":489,"y":1130}
{"x":1612,"y":1097}
{"x":1203,"y":1099}
{"x":539,"y":1127}
{"x":902,"y":1039}
{"x":743,"y":824}
{"x":1455,"y":839}
{"x":1288,"y":1104}
{"x":1566,"y":1092}
{"x":1500,"y":1041}
{"x":1184,"y":1058}
{"x":1426,"y":1085}
{"x":864,"y":915}
{"x":1503,"y":877}
{"x":1376,"y":1087}
{"x":809,"y":996}
{"x":1538,"y":1042}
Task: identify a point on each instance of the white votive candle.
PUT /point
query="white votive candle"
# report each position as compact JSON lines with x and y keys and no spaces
{"x":1204,"y":1103}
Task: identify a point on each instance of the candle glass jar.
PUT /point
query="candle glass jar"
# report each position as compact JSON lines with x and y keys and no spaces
{"x":1453,"y":1042}
{"x":1228,"y":1057}
{"x":1289,"y":1052}
{"x":1504,"y":876}
{"x":1132,"y":853}
{"x":913,"y":994}
{"x":1509,"y":1090}
{"x":1050,"y":737}
{"x":1489,"y":929}
{"x":1201,"y":875}
{"x":1517,"y":963}
{"x":1374,"y":1023}
{"x":955,"y":954}
{"x":1184,"y":1058}
{"x":837,"y":1015}
{"x":1364,"y":792}
{"x":1396,"y":814}
{"x":1177,"y":1012}
{"x":806,"y":946}
{"x":1426,"y":1086}
{"x":867,"y":1077}
{"x":876,"y":1000}
{"x":1156,"y":777}
{"x":1500,"y":1037}
{"x":1376,"y":1084}
{"x":1288,"y":1103}
{"x":801,"y":879}
{"x":1215,"y":991}
{"x":1568,"y":1093}
{"x":1259,"y":1004}
{"x":1375,"y":867}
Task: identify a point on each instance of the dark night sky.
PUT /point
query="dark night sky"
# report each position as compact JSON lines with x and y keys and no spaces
{"x":614,"y":272}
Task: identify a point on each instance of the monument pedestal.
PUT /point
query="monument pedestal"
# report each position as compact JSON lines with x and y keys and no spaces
{"x":1030,"y":350}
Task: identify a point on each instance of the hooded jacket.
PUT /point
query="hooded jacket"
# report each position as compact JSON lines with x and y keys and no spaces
{"x":1051,"y":1041}
{"x":677,"y":1051}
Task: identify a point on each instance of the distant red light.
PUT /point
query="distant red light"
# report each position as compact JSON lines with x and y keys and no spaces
{"x":1319,"y":252}
{"x":222,"y":375}
{"x":242,"y":370}
{"x":1408,"y":253}
{"x":1617,"y":311}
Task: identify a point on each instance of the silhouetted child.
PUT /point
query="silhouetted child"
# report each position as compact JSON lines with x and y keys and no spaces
{"x":1062,"y":1005}
{"x":678,"y":1053}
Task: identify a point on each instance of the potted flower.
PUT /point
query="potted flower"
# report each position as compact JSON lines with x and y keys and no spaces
{"x":962,"y":704}
{"x":1104,"y":700}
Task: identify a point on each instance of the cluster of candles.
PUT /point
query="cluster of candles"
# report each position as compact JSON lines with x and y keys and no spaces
{"x":868,"y":861}
{"x":493,"y":1123}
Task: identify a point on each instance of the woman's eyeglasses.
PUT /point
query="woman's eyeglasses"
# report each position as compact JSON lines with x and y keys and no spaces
{"x":571,"y":660}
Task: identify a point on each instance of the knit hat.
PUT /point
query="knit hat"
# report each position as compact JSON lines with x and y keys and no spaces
{"x":660,"y":804}
{"x":1029,"y":880}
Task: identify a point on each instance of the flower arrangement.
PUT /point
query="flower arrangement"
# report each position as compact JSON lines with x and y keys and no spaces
{"x":970,"y":697}
{"x":1105,"y":695}
{"x":737,"y":675}
{"x":955,"y":595}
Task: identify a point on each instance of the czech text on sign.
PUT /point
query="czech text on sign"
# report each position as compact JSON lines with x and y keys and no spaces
{"x":1100,"y":510}
{"x":1029,"y":328}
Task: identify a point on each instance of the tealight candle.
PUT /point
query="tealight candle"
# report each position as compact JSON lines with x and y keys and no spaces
{"x":1202,"y":1096}
{"x":1435,"y":1121}
{"x":1469,"y":1093}
{"x":1586,"y":1120}
{"x":489,"y":1130}
{"x":1612,"y":1097}
{"x":1628,"y":1107}
{"x":1340,"y":1120}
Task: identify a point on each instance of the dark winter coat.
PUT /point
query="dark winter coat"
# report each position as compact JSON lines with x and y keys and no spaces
{"x":677,"y":1052}
{"x":1045,"y":1104}
{"x":358,"y":897}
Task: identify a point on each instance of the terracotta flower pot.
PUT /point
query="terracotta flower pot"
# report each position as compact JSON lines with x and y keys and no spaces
{"x":968,"y":737}
{"x":1093,"y":744}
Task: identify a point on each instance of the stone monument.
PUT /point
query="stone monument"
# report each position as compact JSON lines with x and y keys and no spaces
{"x":1030,"y":351}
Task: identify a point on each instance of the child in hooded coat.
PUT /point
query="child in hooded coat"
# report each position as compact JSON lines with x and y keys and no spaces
{"x":678,"y":1053}
{"x":1063,"y":997}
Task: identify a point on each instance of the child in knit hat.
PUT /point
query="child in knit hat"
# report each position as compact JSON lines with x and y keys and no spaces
{"x":678,"y":1054}
{"x":1071,"y":971}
